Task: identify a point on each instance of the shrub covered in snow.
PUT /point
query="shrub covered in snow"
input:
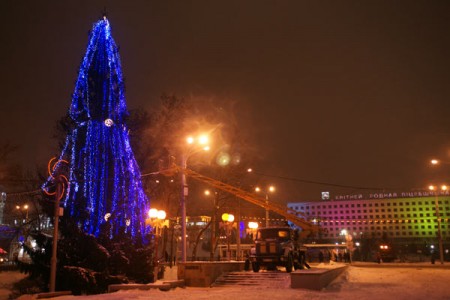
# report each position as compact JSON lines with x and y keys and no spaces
{"x":86,"y":264}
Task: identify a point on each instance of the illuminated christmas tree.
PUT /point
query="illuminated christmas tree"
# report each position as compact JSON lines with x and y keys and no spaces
{"x":105,"y":181}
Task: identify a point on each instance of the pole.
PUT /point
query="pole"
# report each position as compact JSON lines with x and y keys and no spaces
{"x":171,"y":245}
{"x":238,"y":237}
{"x":441,"y":247}
{"x":55,"y":235}
{"x":184,"y":195}
{"x":155,"y":257}
{"x":229,"y":224}
{"x":267,"y":210}
{"x":213,"y":229}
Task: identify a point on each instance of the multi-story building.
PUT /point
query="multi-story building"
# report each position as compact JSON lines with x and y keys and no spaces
{"x":400,"y":217}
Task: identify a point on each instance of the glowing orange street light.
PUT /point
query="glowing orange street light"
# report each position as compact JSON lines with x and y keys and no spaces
{"x":436,"y":161}
{"x":253,"y":226}
{"x":203,"y":140}
{"x":25,"y":207}
{"x":270,"y":189}
{"x":152,"y":213}
{"x":156,"y":219}
{"x":228,"y":219}
{"x":195,"y":144}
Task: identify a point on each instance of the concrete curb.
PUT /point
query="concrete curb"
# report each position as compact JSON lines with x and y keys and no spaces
{"x":315,"y":278}
{"x":44,"y":295}
{"x":136,"y":286}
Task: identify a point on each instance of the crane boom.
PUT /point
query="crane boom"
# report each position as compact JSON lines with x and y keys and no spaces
{"x":289,"y":214}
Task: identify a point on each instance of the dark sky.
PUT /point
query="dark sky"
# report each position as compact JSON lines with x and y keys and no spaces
{"x":353,"y":93}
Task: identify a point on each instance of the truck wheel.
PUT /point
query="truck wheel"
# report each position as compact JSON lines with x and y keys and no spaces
{"x":255,"y":266}
{"x":296,"y":261}
{"x":289,"y":263}
{"x":247,"y":265}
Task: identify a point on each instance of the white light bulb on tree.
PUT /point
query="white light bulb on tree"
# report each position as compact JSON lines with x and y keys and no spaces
{"x":109,"y":122}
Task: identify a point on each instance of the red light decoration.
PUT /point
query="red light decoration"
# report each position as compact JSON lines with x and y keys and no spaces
{"x":51,"y":170}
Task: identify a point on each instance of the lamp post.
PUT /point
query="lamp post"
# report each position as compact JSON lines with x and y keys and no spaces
{"x":348,"y":245}
{"x":194,"y":145}
{"x":436,"y":162}
{"x":253,"y":226}
{"x":438,"y":218}
{"x":25,"y":207}
{"x":213,"y":224}
{"x":26,"y":215}
{"x":238,"y":233}
{"x":2,"y":205}
{"x":270,"y":189}
{"x":156,"y":219}
{"x":228,"y":219}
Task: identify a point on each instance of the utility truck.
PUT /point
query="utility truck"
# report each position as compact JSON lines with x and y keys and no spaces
{"x":277,"y":247}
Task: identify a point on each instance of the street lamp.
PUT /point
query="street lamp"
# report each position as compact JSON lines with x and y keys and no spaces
{"x":438,"y":217}
{"x":253,"y":226}
{"x":435,"y":162}
{"x":194,"y":145}
{"x":156,"y":219}
{"x":228,"y":219}
{"x":208,"y":193}
{"x":348,"y":245}
{"x":270,"y":189}
{"x":25,"y":207}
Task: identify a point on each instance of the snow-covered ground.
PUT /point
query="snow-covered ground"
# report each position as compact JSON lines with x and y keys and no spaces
{"x":361,"y":281}
{"x":7,"y":279}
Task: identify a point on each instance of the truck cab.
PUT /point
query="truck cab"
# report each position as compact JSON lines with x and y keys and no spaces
{"x":277,"y":246}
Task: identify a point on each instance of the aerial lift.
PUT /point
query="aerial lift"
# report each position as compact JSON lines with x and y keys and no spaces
{"x":297,"y":218}
{"x":275,"y":246}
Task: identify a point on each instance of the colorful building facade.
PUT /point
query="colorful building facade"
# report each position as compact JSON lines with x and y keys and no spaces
{"x":399,"y":219}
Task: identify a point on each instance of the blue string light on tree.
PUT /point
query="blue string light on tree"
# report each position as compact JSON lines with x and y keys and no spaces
{"x":104,"y":176}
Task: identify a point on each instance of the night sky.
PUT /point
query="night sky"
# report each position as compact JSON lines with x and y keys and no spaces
{"x":353,"y":93}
